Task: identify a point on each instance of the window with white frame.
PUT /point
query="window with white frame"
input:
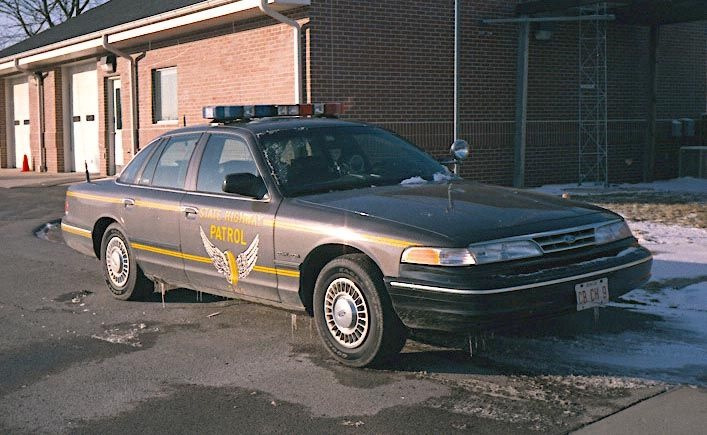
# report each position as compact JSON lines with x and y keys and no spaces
{"x":164,"y":95}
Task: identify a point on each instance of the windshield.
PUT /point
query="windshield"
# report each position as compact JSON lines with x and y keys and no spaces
{"x":323,"y":159}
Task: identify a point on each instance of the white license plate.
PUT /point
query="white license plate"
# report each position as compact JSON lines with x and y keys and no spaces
{"x":592,"y":294}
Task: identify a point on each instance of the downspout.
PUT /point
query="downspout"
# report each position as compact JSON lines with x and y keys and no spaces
{"x":297,"y":28}
{"x":40,"y":85}
{"x":133,"y":92}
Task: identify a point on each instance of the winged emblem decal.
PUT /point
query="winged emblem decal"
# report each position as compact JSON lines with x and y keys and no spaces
{"x":231,"y":266}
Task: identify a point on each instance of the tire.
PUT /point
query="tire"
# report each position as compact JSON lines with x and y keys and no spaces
{"x":122,"y":274}
{"x":354,"y":283}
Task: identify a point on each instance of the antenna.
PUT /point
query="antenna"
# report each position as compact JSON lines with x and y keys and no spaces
{"x":88,"y":176}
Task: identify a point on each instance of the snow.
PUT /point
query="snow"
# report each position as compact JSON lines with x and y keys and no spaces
{"x":437,"y":178}
{"x":413,"y":180}
{"x":677,"y":185}
{"x":655,"y":333}
{"x":678,"y":252}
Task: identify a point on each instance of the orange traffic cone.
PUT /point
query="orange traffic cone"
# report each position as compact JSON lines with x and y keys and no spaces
{"x":25,"y":164}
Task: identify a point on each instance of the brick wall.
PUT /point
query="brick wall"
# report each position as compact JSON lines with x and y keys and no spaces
{"x":247,"y":63}
{"x":392,"y":63}
{"x":54,"y":115}
{"x":395,"y":68}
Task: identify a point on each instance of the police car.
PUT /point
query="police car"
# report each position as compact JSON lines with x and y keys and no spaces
{"x":291,"y":207}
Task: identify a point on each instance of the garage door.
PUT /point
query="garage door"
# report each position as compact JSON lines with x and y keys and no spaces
{"x":20,"y":116}
{"x":83,"y":83}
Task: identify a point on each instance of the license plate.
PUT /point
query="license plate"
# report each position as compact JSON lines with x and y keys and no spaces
{"x":592,"y":294}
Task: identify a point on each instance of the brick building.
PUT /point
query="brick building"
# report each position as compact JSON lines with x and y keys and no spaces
{"x":66,"y":95}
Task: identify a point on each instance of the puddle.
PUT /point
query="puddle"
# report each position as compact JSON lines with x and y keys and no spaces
{"x":74,"y":298}
{"x":51,"y":232}
{"x":129,"y":335}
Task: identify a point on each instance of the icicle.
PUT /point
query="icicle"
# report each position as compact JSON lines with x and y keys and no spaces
{"x":471,"y":348}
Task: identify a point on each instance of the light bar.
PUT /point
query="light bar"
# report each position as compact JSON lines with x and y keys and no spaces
{"x":236,"y":112}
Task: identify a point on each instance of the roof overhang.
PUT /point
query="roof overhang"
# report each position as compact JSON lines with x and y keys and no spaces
{"x":185,"y":20}
{"x":638,"y":12}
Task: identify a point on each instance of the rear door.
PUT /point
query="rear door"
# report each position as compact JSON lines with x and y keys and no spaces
{"x":152,"y":209}
{"x":228,"y":239}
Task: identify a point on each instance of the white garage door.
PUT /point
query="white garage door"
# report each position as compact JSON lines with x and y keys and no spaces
{"x":20,"y":117}
{"x":83,"y":92}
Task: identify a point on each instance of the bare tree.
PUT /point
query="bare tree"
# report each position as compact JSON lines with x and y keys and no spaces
{"x":25,"y":18}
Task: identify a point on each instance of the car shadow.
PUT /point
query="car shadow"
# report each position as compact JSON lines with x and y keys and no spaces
{"x":525,"y":349}
{"x":184,"y":296}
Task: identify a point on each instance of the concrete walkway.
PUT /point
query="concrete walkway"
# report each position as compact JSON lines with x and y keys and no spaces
{"x":13,"y":178}
{"x":680,"y":411}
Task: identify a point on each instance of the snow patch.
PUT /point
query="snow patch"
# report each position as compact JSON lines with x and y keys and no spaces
{"x":413,"y":180}
{"x":677,"y":185}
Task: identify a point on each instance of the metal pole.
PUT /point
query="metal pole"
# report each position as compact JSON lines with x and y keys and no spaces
{"x":521,"y":104}
{"x":457,"y":127}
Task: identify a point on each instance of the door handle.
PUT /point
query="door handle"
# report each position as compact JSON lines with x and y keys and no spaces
{"x":128,"y":202}
{"x":190,"y":212}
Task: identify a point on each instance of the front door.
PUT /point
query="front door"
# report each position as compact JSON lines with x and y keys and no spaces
{"x":152,"y":209}
{"x":228,"y":239}
{"x":115,"y":119}
{"x":20,"y":110}
{"x":83,"y":93}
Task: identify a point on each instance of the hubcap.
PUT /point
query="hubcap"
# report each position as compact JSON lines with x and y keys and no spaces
{"x":346,"y":313}
{"x":117,"y":262}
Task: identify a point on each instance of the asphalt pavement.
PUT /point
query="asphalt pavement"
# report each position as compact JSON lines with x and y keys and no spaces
{"x":74,"y":360}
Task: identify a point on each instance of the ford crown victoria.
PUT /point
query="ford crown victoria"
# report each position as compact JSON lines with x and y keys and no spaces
{"x":349,"y":223}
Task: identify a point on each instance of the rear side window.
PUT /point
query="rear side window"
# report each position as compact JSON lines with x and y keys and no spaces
{"x":224,"y":155}
{"x":131,"y":171}
{"x":171,"y":169}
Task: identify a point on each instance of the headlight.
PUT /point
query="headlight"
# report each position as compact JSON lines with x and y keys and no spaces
{"x":475,"y":254}
{"x":504,"y":251}
{"x":438,"y":256}
{"x":612,"y":232}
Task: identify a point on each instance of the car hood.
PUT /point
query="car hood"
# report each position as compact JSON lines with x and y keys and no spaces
{"x":463,"y":211}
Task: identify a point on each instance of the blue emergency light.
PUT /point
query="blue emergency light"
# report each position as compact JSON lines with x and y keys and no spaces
{"x":245,"y":112}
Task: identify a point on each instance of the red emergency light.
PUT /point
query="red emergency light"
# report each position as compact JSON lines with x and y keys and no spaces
{"x":243,"y":112}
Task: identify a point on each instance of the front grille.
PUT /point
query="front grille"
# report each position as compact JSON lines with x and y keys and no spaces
{"x":566,"y":241}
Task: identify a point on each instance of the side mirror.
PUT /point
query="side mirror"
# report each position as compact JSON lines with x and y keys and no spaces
{"x":460,"y":150}
{"x":245,"y":184}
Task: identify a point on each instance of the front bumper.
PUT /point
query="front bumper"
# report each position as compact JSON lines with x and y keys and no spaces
{"x":467,"y":301}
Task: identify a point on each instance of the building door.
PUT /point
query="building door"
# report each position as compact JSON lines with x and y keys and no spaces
{"x":115,"y":120}
{"x":83,"y":105}
{"x":20,"y":117}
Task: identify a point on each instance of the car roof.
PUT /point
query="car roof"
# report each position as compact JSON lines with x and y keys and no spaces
{"x":261,"y":125}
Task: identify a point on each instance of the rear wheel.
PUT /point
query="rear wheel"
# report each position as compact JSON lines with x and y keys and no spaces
{"x":124,"y":278}
{"x":353,"y":312}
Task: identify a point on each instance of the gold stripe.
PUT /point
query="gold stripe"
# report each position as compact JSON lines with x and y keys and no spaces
{"x":157,"y":206}
{"x":371,"y":238}
{"x":397,"y":243}
{"x":138,"y":203}
{"x":94,"y":197}
{"x":75,"y":230}
{"x":199,"y":259}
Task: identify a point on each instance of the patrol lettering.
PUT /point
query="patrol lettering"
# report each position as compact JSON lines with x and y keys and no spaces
{"x":227,"y":234}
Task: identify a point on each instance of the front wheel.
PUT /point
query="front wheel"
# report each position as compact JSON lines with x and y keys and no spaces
{"x":353,"y":312}
{"x":124,"y":277}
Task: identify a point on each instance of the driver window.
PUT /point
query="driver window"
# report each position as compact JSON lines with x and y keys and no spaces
{"x":223,"y":155}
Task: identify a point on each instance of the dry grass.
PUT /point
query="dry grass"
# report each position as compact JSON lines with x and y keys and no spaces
{"x":688,"y":210}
